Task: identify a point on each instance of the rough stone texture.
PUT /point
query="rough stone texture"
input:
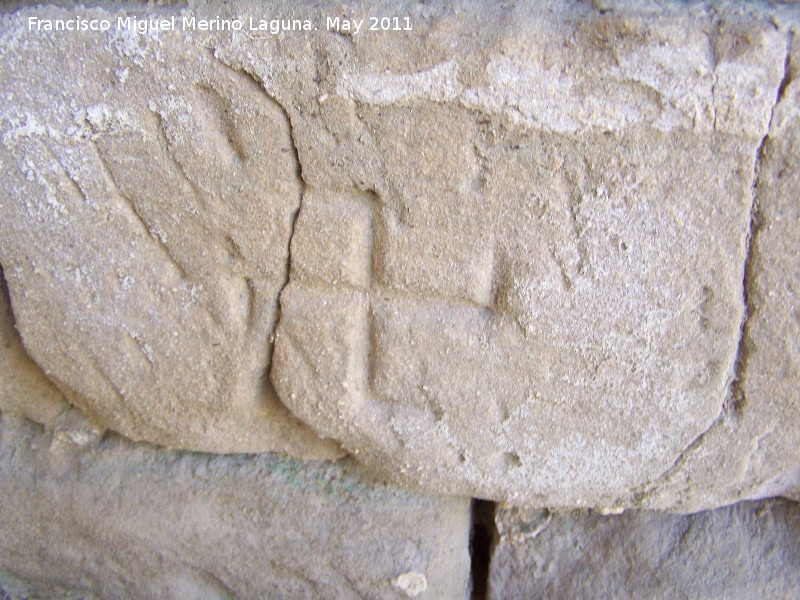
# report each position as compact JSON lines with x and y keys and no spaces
{"x":535,"y":287}
{"x":517,"y":266}
{"x":122,"y":520}
{"x":146,"y":220}
{"x":747,"y":551}
{"x":24,"y":389}
{"x":753,"y":450}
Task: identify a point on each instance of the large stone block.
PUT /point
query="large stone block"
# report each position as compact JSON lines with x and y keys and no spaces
{"x":121,"y":520}
{"x":519,"y":251}
{"x":556,"y":228}
{"x":746,"y":551}
{"x":149,"y":193}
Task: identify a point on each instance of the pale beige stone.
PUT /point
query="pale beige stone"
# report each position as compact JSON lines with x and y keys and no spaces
{"x":134,"y":521}
{"x":753,"y":450}
{"x":538,"y":293}
{"x":746,"y":551}
{"x":24,"y":389}
{"x":149,"y":193}
{"x":517,"y":267}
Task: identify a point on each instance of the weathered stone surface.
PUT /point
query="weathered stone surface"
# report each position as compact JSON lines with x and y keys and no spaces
{"x":538,"y":292}
{"x":517,"y":266}
{"x":753,"y":449}
{"x":145,"y":225}
{"x":134,"y":521}
{"x":744,"y":551}
{"x":24,"y":389}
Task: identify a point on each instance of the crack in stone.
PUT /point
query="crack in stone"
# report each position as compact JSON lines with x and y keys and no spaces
{"x":293,"y":219}
{"x":482,"y":540}
{"x":715,"y":62}
{"x":296,"y":213}
{"x":736,"y":400}
{"x":737,"y":396}
{"x":292,"y":227}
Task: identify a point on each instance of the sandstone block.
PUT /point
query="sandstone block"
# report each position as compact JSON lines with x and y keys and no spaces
{"x":744,"y":551}
{"x":557,"y":229}
{"x":753,"y":449}
{"x":493,"y":263}
{"x":146,"y":220}
{"x":134,"y":521}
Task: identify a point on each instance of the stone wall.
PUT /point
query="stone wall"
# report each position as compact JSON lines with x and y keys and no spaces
{"x":277,"y":303}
